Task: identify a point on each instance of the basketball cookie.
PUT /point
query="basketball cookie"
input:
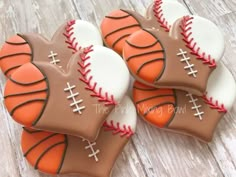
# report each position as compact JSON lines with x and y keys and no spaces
{"x":184,"y":112}
{"x":117,"y":26}
{"x":63,"y":154}
{"x":75,"y":102}
{"x":69,"y":38}
{"x":182,"y":59}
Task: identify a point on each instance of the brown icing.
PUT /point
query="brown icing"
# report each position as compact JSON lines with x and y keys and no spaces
{"x":43,"y":100}
{"x":76,"y":159}
{"x":41,"y":47}
{"x":74,"y":155}
{"x":174,"y":75}
{"x":176,"y":111}
{"x":190,"y":124}
{"x":58,"y":115}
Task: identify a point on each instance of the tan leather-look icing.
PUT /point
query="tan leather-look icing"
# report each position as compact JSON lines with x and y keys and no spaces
{"x":177,"y":111}
{"x":185,"y":122}
{"x":174,"y":74}
{"x":77,"y":160}
{"x":58,"y":115}
{"x":76,"y":155}
{"x":42,"y":48}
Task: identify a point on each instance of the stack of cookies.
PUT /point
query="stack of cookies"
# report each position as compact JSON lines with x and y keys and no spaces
{"x":70,"y":93}
{"x":180,"y":83}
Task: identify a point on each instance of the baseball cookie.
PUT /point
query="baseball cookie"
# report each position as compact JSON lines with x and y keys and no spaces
{"x":63,"y":154}
{"x":117,"y":26}
{"x":69,"y":38}
{"x":75,"y":102}
{"x":182,"y":59}
{"x":184,"y":112}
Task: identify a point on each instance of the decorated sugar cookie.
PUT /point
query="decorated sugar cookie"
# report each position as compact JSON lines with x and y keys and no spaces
{"x":75,"y":102}
{"x":63,"y":154}
{"x":69,"y":38}
{"x":183,"y":59}
{"x":119,"y":24}
{"x":184,"y":112}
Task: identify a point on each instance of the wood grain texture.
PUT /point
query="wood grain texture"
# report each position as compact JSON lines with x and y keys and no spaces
{"x":152,"y":152}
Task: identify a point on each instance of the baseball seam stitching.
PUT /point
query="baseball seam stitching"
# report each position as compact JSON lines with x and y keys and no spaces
{"x":72,"y":44}
{"x":118,"y":129}
{"x":189,"y":40}
{"x":84,"y":71}
{"x":158,"y":13}
{"x":214,"y":104}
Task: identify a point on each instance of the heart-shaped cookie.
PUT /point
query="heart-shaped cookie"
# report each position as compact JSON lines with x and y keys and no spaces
{"x":119,"y":24}
{"x":75,"y":102}
{"x":182,"y":59}
{"x":69,"y":38}
{"x":62,"y":154}
{"x":184,"y":112}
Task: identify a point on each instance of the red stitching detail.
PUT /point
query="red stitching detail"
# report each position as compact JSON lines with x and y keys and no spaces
{"x":117,"y":129}
{"x":214,"y":104}
{"x":158,"y":13}
{"x":195,"y":50}
{"x":84,"y":70}
{"x":68,"y":33}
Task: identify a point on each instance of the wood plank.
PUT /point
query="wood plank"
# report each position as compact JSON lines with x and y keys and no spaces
{"x":210,"y":8}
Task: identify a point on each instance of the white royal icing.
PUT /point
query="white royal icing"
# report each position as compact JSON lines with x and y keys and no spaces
{"x":207,"y":36}
{"x":109,"y":71}
{"x":76,"y":103}
{"x":221,"y":86}
{"x":85,"y":34}
{"x":195,"y":106}
{"x":124,"y":114}
{"x":173,"y":10}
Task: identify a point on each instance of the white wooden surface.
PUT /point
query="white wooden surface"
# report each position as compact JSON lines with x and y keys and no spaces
{"x":152,"y":152}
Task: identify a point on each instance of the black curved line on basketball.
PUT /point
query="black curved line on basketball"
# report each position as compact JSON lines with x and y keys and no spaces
{"x":26,"y":93}
{"x":153,"y":97}
{"x":145,"y":89}
{"x":27,"y":83}
{"x":175,"y":105}
{"x":47,"y":150}
{"x":148,"y":62}
{"x":117,"y":18}
{"x":15,"y":43}
{"x":142,"y":47}
{"x":142,"y":54}
{"x":38,"y":143}
{"x":31,"y":131}
{"x":64,"y":154}
{"x":156,"y":106}
{"x":9,"y":69}
{"x":120,"y":29}
{"x":119,"y":39}
{"x":164,"y":56}
{"x":24,"y":103}
{"x":47,"y":93}
{"x":15,"y":54}
{"x":30,"y":45}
